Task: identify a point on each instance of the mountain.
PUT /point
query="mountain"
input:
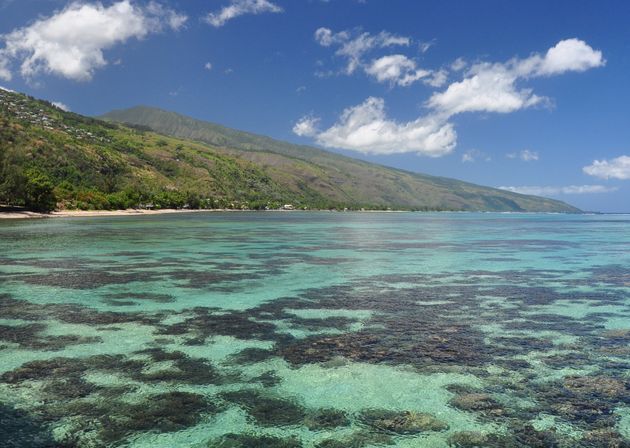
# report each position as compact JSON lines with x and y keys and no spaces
{"x":344,"y":179}
{"x":50,"y":158}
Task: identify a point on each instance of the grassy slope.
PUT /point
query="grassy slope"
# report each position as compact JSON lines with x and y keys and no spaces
{"x":345,"y":180}
{"x":89,"y":161}
{"x":94,"y":164}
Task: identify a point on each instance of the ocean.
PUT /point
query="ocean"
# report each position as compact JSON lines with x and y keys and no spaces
{"x":315,"y":329}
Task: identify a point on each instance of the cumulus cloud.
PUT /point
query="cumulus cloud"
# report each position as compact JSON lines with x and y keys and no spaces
{"x":570,"y":55}
{"x":473,"y":155}
{"x":61,"y":106}
{"x":71,"y":42}
{"x":618,"y":168}
{"x":208,"y":66}
{"x":525,"y":155}
{"x":437,"y":78}
{"x":485,"y":87}
{"x":238,"y":8}
{"x":396,"y":69}
{"x":306,"y":126}
{"x":354,"y":45}
{"x":556,"y":191}
{"x":367,"y":128}
{"x":458,"y":64}
{"x":492,"y":87}
{"x":5,"y":72}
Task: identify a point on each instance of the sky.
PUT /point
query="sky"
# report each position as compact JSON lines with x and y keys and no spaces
{"x":530,"y":96}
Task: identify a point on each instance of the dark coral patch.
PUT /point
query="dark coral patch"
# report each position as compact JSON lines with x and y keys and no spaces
{"x":30,"y":336}
{"x":251,"y":355}
{"x":254,"y":441}
{"x":167,"y":412}
{"x":69,"y":313}
{"x":131,"y":299}
{"x":185,"y":369}
{"x":358,"y":440}
{"x":20,"y":430}
{"x":405,"y":422}
{"x":323,"y":419}
{"x":267,"y":379}
{"x":477,"y":402}
{"x":206,"y":323}
{"x":266,"y":410}
{"x":83,"y":278}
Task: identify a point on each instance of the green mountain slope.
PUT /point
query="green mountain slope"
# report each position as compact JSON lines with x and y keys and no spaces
{"x":334,"y":176}
{"x":50,"y":158}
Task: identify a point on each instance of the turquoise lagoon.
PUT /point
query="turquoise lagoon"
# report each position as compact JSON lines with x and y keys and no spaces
{"x":316,"y":330}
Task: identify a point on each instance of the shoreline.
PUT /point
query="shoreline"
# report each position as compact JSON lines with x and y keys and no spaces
{"x":99,"y":213}
{"x":136,"y":212}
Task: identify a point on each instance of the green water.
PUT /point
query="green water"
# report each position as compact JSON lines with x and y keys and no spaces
{"x":315,"y":330}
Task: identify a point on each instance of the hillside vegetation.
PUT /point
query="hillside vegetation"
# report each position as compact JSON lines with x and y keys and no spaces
{"x":50,"y":159}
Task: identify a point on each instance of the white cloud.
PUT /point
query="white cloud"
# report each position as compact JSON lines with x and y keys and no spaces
{"x":570,"y":55}
{"x":353,"y":46}
{"x":5,"y":72}
{"x":238,"y":8}
{"x":618,"y":168}
{"x":325,"y":37}
{"x":525,"y":155}
{"x":61,"y":106}
{"x":71,"y":42}
{"x":492,"y":87}
{"x":6,"y":89}
{"x":423,"y":47}
{"x":473,"y":155}
{"x":486,"y":87}
{"x":300,"y":89}
{"x":366,"y":128}
{"x":306,"y":126}
{"x":556,"y":191}
{"x":458,"y":64}
{"x":437,"y":78}
{"x":208,"y":66}
{"x":396,"y":69}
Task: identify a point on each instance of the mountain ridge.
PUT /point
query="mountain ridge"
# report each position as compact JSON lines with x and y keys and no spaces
{"x":51,"y":158}
{"x":179,"y":125}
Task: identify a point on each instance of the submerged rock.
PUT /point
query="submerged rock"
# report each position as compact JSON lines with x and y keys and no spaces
{"x":253,"y":441}
{"x":251,"y":355}
{"x":267,"y":411}
{"x":478,"y":402}
{"x":598,"y":385}
{"x":405,"y":422}
{"x":325,"y":419}
{"x":358,"y":440}
{"x":469,"y":439}
{"x":604,"y":438}
{"x":20,"y":430}
{"x":167,"y":412}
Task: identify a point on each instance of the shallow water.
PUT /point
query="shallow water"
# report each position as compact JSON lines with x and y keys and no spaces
{"x":315,"y":330}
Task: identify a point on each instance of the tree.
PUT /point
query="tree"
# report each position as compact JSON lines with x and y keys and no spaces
{"x":39,"y":194}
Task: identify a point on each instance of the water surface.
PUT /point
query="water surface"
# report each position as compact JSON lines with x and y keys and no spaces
{"x":315,"y":330}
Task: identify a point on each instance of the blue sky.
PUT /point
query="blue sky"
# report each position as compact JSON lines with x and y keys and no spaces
{"x":529,"y":95}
